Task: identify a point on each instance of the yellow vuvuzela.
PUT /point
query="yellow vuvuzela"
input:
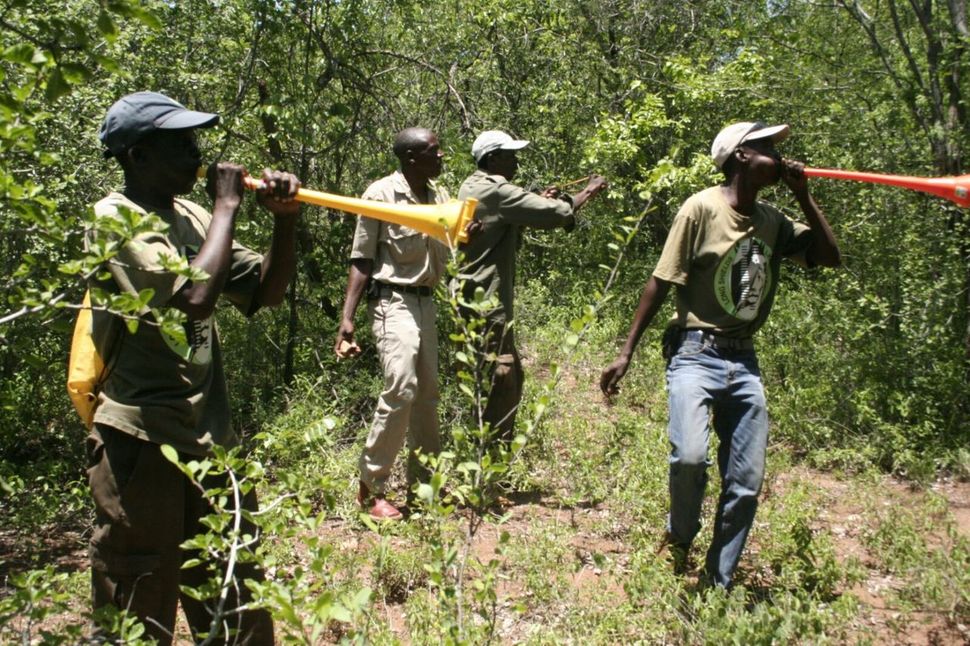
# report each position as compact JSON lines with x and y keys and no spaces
{"x":446,"y":222}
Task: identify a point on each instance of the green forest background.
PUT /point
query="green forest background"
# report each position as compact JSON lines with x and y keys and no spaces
{"x":867,"y":367}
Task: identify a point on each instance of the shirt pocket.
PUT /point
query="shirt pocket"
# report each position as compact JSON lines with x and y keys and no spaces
{"x":404,"y":244}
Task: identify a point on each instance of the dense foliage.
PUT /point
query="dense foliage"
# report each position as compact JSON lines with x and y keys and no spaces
{"x":869,"y":365}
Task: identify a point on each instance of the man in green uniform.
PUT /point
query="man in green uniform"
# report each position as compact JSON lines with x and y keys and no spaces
{"x":723,"y":254}
{"x":402,"y":267}
{"x":503,"y":208}
{"x":164,"y":390}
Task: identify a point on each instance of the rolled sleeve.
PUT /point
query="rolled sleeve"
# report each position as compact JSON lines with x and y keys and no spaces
{"x":678,"y":250}
{"x":244,"y":278}
{"x":798,"y":238}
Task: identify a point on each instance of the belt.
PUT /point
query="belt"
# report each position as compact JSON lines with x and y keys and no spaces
{"x":421,"y":290}
{"x":717,"y":341}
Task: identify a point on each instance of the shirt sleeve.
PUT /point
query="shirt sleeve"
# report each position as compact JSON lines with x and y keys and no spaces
{"x":674,"y":263}
{"x":138,"y":264}
{"x":519,"y":206}
{"x":365,"y":238}
{"x":245,"y":265}
{"x":368,"y":230}
{"x":245,"y":271}
{"x":795,"y":240}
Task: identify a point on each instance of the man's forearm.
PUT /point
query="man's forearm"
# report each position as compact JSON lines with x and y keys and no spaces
{"x":824,"y":249}
{"x":652,"y":298}
{"x":198,"y":299}
{"x":357,"y":277}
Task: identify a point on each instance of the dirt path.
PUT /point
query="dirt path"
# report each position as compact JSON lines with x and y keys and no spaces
{"x":594,"y":560}
{"x":846,"y":517}
{"x":880,"y":618}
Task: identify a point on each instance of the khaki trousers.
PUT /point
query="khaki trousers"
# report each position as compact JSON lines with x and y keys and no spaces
{"x":145,"y":508}
{"x":407,"y":343}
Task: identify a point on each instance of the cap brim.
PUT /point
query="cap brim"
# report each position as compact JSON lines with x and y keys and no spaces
{"x":188,"y":119}
{"x":775,"y":133}
{"x":515,"y":144}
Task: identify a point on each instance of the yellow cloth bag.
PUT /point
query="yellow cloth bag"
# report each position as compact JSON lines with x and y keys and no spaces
{"x":85,"y":366}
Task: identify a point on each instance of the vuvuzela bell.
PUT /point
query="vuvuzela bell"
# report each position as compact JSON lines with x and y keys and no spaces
{"x":445,"y":222}
{"x":956,"y":189}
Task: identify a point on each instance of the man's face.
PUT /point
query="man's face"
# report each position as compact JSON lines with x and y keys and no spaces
{"x":169,"y":159}
{"x":764,"y":160}
{"x":504,"y":163}
{"x":428,"y":160}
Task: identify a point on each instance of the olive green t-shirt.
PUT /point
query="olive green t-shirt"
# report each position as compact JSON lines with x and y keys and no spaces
{"x":159,"y":389}
{"x":502,"y":209}
{"x":725,"y":264}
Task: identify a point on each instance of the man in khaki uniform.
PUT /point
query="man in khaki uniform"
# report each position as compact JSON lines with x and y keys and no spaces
{"x":402,"y":267}
{"x":503,"y":208}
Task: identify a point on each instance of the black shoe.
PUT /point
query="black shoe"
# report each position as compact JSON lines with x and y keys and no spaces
{"x":677,"y":553}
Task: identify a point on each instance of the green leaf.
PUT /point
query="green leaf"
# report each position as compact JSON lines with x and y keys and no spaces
{"x":75,"y":73}
{"x":169,"y":452}
{"x":425,"y":492}
{"x":107,"y":26}
{"x":340,"y":613}
{"x":146,"y":17}
{"x":56,"y":86}
{"x":22,"y":54}
{"x":362,"y":598}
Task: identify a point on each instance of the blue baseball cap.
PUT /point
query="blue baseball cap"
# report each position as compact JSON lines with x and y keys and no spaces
{"x":135,"y":115}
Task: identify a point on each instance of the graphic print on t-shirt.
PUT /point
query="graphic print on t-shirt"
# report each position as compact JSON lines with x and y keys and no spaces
{"x":197,"y":347}
{"x":743,"y":278}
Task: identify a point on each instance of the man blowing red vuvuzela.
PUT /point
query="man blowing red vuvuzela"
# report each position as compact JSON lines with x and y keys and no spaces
{"x":723,"y":255}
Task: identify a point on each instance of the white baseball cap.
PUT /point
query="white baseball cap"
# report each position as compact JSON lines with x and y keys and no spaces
{"x":495,"y":140}
{"x":737,"y":133}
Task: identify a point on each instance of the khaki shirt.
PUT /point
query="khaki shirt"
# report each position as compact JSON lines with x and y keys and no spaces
{"x":726,"y":264}
{"x":490,"y":254}
{"x":401,"y":255}
{"x":161,"y":389}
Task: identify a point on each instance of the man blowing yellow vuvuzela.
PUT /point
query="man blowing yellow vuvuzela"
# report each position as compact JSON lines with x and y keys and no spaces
{"x":503,"y":209}
{"x":162,"y":390}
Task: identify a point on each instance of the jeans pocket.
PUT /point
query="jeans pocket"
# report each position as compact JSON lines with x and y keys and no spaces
{"x":689,"y":349}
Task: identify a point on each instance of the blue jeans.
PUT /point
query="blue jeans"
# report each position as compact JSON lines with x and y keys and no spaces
{"x":703,"y":381}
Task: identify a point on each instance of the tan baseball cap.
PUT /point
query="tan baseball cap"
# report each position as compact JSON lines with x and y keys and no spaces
{"x":737,"y":133}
